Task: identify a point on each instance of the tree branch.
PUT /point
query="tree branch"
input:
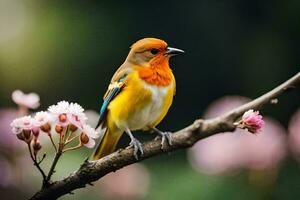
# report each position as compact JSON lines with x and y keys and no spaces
{"x":91,"y":171}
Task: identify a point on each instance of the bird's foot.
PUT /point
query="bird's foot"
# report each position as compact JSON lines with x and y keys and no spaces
{"x":165,"y":136}
{"x":137,"y":147}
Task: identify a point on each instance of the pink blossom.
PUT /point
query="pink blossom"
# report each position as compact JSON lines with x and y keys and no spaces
{"x":22,"y":123}
{"x":43,"y":118}
{"x":66,"y":113}
{"x":31,"y":100}
{"x":123,"y":183}
{"x":294,"y":135}
{"x":88,"y":136}
{"x":229,"y":152}
{"x":76,"y":115}
{"x":8,"y":140}
{"x":252,"y":121}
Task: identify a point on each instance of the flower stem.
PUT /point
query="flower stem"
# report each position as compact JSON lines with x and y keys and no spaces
{"x":70,"y":140}
{"x":57,"y":156}
{"x":52,"y":142}
{"x":36,"y":163}
{"x":73,"y":148}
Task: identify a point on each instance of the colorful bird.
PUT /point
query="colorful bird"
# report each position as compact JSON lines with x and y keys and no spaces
{"x":139,"y":95}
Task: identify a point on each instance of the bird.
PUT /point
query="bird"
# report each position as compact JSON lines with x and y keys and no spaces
{"x":138,"y":97}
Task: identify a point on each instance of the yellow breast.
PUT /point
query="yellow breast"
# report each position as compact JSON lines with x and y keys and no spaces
{"x":140,"y":105}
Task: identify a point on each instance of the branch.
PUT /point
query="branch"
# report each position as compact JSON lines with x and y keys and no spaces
{"x":91,"y":171}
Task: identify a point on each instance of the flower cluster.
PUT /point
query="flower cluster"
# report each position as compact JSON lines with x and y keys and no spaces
{"x":63,"y":118}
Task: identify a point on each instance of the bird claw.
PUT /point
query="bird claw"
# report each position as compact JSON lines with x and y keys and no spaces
{"x":137,"y":147}
{"x":165,"y":136}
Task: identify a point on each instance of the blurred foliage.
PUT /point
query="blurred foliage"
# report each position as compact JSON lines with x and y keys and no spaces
{"x":70,"y":49}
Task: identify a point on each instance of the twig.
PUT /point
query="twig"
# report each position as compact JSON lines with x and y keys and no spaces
{"x":70,"y":140}
{"x":54,"y":162}
{"x":36,"y":163}
{"x":44,"y":156}
{"x":73,"y":148}
{"x":94,"y":170}
{"x":53,"y":144}
{"x":56,"y":158}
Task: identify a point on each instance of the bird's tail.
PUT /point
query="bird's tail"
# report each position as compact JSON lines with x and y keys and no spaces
{"x":108,"y":142}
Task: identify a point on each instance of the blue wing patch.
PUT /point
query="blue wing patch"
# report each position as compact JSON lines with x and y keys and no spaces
{"x":114,"y":91}
{"x":107,"y":100}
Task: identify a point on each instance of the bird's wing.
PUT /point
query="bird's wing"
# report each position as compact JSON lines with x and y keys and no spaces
{"x":117,"y":83}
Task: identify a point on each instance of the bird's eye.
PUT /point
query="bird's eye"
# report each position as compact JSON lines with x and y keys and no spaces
{"x":154,"y":51}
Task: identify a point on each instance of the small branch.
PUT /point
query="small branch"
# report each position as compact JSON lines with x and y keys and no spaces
{"x":51,"y":171}
{"x":56,"y":158}
{"x":44,"y":156}
{"x":53,"y":144}
{"x":68,"y":141}
{"x":91,"y":171}
{"x":37,"y":164}
{"x":73,"y":148}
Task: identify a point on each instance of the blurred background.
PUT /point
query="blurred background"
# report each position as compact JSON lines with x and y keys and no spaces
{"x":68,"y":50}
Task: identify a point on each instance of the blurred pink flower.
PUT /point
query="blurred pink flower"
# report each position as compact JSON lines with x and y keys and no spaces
{"x":131,"y":182}
{"x":294,"y":135}
{"x":31,"y":100}
{"x":252,"y":121}
{"x":6,"y":173}
{"x":8,"y":141}
{"x":231,"y":151}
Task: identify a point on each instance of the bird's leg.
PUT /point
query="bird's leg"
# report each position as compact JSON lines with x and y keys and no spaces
{"x":165,"y":136}
{"x":137,"y":145}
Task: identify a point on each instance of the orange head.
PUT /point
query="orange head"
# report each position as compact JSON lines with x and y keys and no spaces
{"x":149,"y":51}
{"x":151,"y":57}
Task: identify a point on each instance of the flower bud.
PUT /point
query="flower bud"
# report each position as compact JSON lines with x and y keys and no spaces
{"x":73,"y":128}
{"x":59,"y":129}
{"x":35,"y":131}
{"x":20,"y":136}
{"x":84,"y":138}
{"x":62,"y":117}
{"x":36,"y":146}
{"x":46,"y":128}
{"x":27,"y":135}
{"x":252,"y":121}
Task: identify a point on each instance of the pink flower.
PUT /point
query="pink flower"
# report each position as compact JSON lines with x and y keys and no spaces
{"x":76,"y":115}
{"x":22,"y":123}
{"x":252,"y":121}
{"x":123,"y":183}
{"x":229,"y":152}
{"x":66,"y":113}
{"x":294,"y":135}
{"x":25,"y":128}
{"x":8,"y":141}
{"x":88,"y":135}
{"x":44,"y":120}
{"x":31,"y":100}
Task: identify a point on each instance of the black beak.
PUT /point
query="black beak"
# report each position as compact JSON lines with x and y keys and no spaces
{"x":173,"y":51}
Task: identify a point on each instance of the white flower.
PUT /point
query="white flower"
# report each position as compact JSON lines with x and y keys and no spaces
{"x":60,"y":113}
{"x":76,"y":115}
{"x":22,"y":123}
{"x":43,"y":118}
{"x":62,"y":107}
{"x":66,"y":113}
{"x":88,"y":135}
{"x":31,"y":100}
